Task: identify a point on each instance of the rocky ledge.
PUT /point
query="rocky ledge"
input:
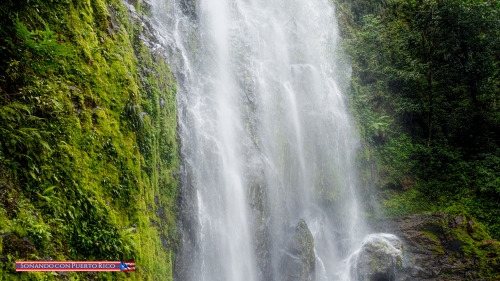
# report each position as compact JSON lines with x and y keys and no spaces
{"x":443,"y":246}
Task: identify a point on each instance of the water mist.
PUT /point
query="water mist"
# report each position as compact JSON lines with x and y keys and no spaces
{"x":268,"y":145}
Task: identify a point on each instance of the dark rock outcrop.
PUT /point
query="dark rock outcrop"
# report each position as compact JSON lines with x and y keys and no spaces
{"x":445,"y":246}
{"x":298,"y":261}
{"x":12,"y":244}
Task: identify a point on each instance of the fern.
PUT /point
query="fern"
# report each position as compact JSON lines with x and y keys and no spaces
{"x":39,"y":50}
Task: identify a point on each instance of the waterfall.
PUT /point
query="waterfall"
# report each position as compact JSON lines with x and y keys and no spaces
{"x":267,"y":142}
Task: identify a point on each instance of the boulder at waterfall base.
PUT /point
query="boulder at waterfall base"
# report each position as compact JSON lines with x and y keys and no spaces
{"x":379,"y":259}
{"x":299,"y":259}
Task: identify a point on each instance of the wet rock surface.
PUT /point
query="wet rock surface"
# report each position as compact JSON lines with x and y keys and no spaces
{"x":444,"y":246}
{"x":189,"y":8}
{"x":298,"y":261}
{"x":379,"y":259}
{"x":187,"y":204}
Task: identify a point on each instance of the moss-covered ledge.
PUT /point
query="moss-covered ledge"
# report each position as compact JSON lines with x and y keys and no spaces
{"x":88,"y":153}
{"x":447,"y":245}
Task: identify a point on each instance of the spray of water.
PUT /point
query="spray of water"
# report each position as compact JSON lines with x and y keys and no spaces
{"x":266,"y":136}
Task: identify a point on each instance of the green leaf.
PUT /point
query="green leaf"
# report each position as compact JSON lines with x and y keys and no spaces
{"x":47,"y":190}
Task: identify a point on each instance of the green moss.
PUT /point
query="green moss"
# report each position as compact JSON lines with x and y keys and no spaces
{"x":101,"y":15}
{"x":88,"y":168}
{"x":402,"y":203}
{"x":430,"y":234}
{"x":475,"y":243}
{"x":436,"y":246}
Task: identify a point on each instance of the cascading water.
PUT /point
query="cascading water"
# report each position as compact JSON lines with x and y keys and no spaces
{"x":266,"y":137}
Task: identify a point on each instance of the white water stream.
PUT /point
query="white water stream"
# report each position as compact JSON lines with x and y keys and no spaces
{"x":266,"y":136}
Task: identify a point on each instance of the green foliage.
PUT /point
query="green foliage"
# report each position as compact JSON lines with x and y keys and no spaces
{"x":425,"y":91}
{"x":397,"y":204}
{"x":83,"y":169}
{"x":38,"y":45}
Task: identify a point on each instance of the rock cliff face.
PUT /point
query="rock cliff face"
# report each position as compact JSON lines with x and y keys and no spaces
{"x":88,"y":150}
{"x":444,"y":246}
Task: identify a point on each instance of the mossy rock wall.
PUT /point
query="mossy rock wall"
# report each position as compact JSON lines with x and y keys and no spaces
{"x":448,"y":245}
{"x":88,"y":152}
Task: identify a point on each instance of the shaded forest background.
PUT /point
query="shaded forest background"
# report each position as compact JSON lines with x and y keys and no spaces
{"x":425,"y":91}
